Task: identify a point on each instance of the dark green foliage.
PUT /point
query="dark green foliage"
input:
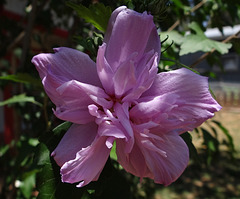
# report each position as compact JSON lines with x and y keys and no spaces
{"x":97,"y":14}
{"x":192,"y":150}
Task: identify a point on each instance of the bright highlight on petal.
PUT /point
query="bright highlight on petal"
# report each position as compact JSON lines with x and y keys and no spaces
{"x":122,"y":99}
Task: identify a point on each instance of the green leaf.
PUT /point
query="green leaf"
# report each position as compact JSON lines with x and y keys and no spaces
{"x":42,"y":155}
{"x":22,"y":98}
{"x":97,"y":14}
{"x":211,"y":143}
{"x":193,"y":151}
{"x":23,"y":78}
{"x":4,"y":149}
{"x":28,"y":183}
{"x":227,"y":134}
{"x":49,"y":182}
{"x":46,"y":182}
{"x":62,"y":127}
{"x":199,"y":42}
{"x":174,"y":36}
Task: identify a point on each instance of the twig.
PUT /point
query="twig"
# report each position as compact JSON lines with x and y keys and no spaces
{"x":200,"y":4}
{"x":16,"y":41}
{"x":205,"y":55}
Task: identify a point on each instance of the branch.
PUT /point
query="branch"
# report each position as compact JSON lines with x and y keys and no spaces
{"x":16,"y":41}
{"x":205,"y":55}
{"x":200,"y":4}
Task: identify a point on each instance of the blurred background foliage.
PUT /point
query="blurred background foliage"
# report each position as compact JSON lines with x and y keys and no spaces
{"x":26,"y":169}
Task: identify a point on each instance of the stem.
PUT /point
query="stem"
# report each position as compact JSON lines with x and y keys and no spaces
{"x":200,"y":4}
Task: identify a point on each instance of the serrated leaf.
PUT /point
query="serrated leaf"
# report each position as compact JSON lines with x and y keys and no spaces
{"x":173,"y":35}
{"x":23,"y":78}
{"x":97,"y":14}
{"x":199,"y":42}
{"x":22,"y":98}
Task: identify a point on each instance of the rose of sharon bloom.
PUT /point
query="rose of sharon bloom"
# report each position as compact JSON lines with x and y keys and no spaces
{"x":122,"y":98}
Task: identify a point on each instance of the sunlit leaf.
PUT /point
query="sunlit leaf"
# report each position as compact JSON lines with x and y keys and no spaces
{"x":199,"y":42}
{"x":174,"y":36}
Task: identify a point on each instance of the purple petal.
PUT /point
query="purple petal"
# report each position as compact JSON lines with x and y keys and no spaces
{"x":124,"y":78}
{"x":76,"y":97}
{"x":112,"y":22}
{"x":145,"y":73}
{"x":122,"y":114}
{"x":166,"y":157}
{"x":110,"y":130}
{"x":127,"y":67}
{"x":74,"y":140}
{"x":88,"y":164}
{"x":187,"y":97}
{"x":65,"y":65}
{"x":69,"y":64}
{"x":162,"y":158}
{"x":105,"y":71}
{"x":133,"y":162}
{"x":125,"y":36}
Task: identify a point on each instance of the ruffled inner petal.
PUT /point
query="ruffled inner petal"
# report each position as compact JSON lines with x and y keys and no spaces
{"x":76,"y":97}
{"x":104,"y":70}
{"x":145,"y":73}
{"x":124,"y":78}
{"x":122,"y":114}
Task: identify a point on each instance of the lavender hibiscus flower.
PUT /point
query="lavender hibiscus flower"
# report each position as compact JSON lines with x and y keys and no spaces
{"x":121,"y":98}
